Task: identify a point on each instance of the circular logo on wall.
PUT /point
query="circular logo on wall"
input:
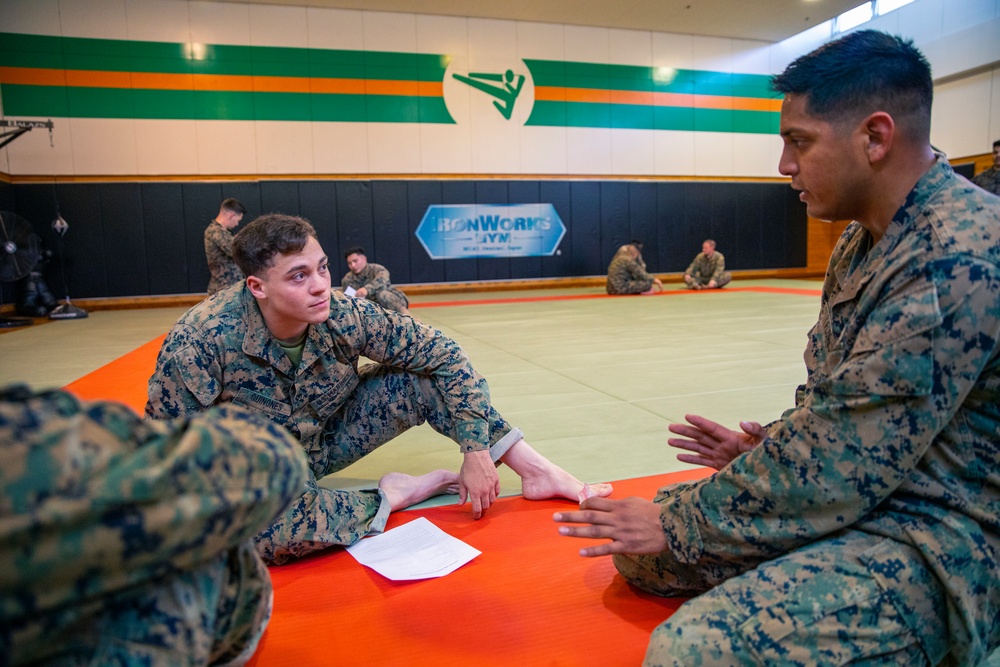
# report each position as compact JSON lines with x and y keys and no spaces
{"x":496,"y":93}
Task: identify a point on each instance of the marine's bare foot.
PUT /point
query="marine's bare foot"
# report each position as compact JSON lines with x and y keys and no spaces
{"x":402,"y":490}
{"x":542,"y":479}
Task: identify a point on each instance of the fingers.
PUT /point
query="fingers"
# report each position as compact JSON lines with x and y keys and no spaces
{"x":753,"y":429}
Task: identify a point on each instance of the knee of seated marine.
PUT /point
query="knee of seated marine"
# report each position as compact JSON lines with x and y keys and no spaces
{"x":692,"y":636}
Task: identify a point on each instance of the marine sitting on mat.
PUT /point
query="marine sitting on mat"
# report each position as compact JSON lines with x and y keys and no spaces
{"x":371,"y":281}
{"x":627,"y":273}
{"x":864,"y":525}
{"x":281,"y":344}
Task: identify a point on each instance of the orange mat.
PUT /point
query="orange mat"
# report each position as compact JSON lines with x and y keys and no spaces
{"x":125,"y":379}
{"x":528,"y":599}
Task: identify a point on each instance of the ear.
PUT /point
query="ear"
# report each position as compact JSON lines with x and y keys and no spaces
{"x":880,"y":130}
{"x":257,"y":287}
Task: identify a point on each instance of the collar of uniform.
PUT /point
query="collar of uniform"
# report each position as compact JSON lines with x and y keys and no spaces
{"x":258,"y":341}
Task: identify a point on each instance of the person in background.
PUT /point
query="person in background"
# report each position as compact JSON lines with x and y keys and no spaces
{"x":627,"y":275}
{"x":371,"y":281}
{"x":863,"y":526}
{"x":707,"y":269}
{"x":989,"y":179}
{"x":219,"y":246}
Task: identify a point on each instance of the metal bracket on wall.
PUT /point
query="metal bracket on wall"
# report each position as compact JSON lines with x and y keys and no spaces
{"x":22,"y":127}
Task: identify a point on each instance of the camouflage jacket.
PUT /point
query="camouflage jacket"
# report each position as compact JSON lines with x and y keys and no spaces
{"x":221,"y":351}
{"x":219,"y":253}
{"x":626,"y":276}
{"x":897,"y":429}
{"x":988,"y":180}
{"x":707,"y":268}
{"x":373,"y":277}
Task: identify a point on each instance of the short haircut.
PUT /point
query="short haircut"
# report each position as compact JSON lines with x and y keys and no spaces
{"x":637,"y":243}
{"x":708,"y":241}
{"x":256,"y":245}
{"x":234,"y":205}
{"x":863,"y":72}
{"x":996,"y":143}
{"x":354,"y":250}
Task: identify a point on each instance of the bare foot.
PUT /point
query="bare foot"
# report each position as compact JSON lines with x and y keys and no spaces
{"x":542,"y":479}
{"x":402,"y":490}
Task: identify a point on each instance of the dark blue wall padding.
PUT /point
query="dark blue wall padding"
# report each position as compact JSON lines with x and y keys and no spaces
{"x":146,"y":238}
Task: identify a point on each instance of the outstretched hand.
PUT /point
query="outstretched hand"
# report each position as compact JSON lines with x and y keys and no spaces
{"x":632,"y":524}
{"x":713,"y":444}
{"x":478,"y":482}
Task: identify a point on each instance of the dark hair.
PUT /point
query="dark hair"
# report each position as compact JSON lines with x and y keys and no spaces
{"x":996,"y":143}
{"x":861,"y":73}
{"x":637,"y":243}
{"x":354,"y":250}
{"x":234,"y":205}
{"x":257,"y":244}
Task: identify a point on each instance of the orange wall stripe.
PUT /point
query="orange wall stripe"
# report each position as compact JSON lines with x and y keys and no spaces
{"x":645,"y":98}
{"x":238,"y":83}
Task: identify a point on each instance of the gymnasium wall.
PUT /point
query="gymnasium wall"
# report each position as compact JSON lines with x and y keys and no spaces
{"x":360,"y":119}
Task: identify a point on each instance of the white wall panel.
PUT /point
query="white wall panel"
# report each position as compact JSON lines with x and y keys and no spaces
{"x":387,"y":31}
{"x":960,"y":120}
{"x":340,"y":148}
{"x":226,"y":147}
{"x":157,"y":21}
{"x":393,"y":148}
{"x":103,"y":146}
{"x":544,"y":150}
{"x":166,"y":146}
{"x":630,"y":47}
{"x":31,"y":153}
{"x":674,"y":152}
{"x":98,"y":19}
{"x":37,"y":17}
{"x":219,"y":23}
{"x":284,"y":147}
{"x":335,"y":29}
{"x":755,"y":154}
{"x":588,"y":150}
{"x":632,"y":152}
{"x":713,"y":154}
{"x":272,"y":25}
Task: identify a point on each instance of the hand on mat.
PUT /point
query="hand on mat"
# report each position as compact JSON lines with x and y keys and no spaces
{"x":632,"y":524}
{"x":713,"y":444}
{"x":478,"y":481}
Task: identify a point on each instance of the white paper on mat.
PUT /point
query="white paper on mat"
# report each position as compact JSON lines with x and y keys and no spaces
{"x":415,"y":550}
{"x":350,"y":291}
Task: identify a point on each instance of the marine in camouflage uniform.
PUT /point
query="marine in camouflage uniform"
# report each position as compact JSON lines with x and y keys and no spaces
{"x":375,"y":279}
{"x":908,"y":336}
{"x":219,"y":253}
{"x":989,"y":180}
{"x":704,"y":269}
{"x":127,"y":542}
{"x":221,"y":351}
{"x":627,"y":273}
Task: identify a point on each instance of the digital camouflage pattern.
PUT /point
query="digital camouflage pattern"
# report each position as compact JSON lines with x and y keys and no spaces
{"x":704,"y":269}
{"x":219,"y":253}
{"x":988,"y":180}
{"x":127,"y":542}
{"x":375,"y":279}
{"x":221,"y":351}
{"x":627,"y":276}
{"x":874,"y":504}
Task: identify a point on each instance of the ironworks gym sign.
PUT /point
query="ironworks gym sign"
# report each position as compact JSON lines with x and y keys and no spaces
{"x":453,"y":231}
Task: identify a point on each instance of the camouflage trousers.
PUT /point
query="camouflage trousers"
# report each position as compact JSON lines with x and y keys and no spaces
{"x":697,"y":280}
{"x":386,"y":403}
{"x":818,"y":605}
{"x":126,"y":542}
{"x":390,"y":298}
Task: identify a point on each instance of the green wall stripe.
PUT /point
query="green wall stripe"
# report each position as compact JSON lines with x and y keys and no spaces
{"x":79,"y":102}
{"x":18,"y":50}
{"x":640,"y":117}
{"x":648,"y":79}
